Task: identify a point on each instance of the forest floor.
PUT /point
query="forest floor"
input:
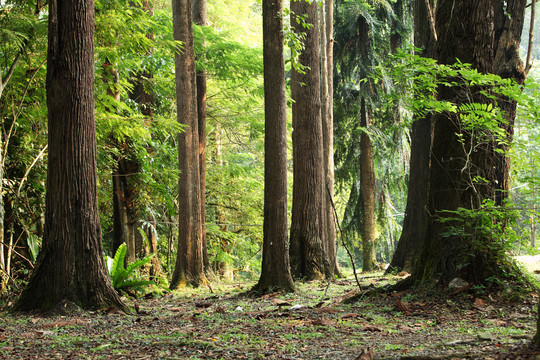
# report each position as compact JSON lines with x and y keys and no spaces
{"x":317,"y":322}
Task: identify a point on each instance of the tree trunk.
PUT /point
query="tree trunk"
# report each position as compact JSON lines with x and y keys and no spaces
{"x":199,"y":18}
{"x":120,"y":218}
{"x":327,"y":114}
{"x":416,"y":216}
{"x":189,"y":267}
{"x":70,"y":265}
{"x":467,"y":31}
{"x":307,"y":256}
{"x":367,"y":184}
{"x":275,"y":272}
{"x":124,"y":191}
{"x":151,"y":234}
{"x":507,"y":63}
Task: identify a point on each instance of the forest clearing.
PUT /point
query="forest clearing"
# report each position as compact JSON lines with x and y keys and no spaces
{"x":317,"y":322}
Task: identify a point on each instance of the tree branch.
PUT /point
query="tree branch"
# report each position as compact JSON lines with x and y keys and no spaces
{"x":528,"y":62}
{"x":11,"y":70}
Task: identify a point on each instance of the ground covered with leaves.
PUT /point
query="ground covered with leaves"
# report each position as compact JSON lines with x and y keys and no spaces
{"x":317,"y":322}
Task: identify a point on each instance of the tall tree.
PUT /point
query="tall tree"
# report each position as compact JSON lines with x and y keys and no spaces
{"x":368,"y":186}
{"x":275,"y":272}
{"x":200,"y":18}
{"x":452,"y":175}
{"x":189,"y":268}
{"x":509,"y":18}
{"x":70,"y":265}
{"x":327,"y":115}
{"x":308,"y":258}
{"x":416,"y":215}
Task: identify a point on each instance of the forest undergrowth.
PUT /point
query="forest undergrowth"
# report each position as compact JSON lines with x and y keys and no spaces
{"x":225,"y":322}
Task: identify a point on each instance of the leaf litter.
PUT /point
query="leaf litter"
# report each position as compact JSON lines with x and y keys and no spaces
{"x":197,"y":324}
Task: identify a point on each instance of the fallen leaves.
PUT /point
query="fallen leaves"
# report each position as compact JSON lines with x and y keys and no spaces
{"x":72,"y":322}
{"x":366,"y":354}
{"x":279,"y":302}
{"x":403,"y":307}
{"x":372,"y":328}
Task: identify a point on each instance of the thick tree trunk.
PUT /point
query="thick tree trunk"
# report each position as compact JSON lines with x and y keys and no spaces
{"x":189,"y":267}
{"x":275,"y":272}
{"x":308,"y":259}
{"x":327,"y":113}
{"x":507,"y":63}
{"x":199,"y":18}
{"x":70,"y":265}
{"x":467,"y":31}
{"x":416,"y":216}
{"x":367,"y":184}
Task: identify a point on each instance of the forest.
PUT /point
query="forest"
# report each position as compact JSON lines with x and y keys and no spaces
{"x":243,"y":179}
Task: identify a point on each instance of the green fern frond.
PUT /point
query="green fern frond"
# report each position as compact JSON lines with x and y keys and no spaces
{"x":118,"y":263}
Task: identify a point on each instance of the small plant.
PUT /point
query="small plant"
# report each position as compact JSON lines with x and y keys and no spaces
{"x":125,"y":278}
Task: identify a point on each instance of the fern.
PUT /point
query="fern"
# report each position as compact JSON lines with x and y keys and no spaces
{"x":125,"y":278}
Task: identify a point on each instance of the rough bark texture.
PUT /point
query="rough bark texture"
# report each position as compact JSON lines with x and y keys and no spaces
{"x":507,"y":63}
{"x":416,"y":216}
{"x":308,"y":259}
{"x":70,"y":266}
{"x":189,"y":268}
{"x":367,"y":184}
{"x":327,"y":113}
{"x":467,"y":31}
{"x":199,"y":18}
{"x":275,"y":272}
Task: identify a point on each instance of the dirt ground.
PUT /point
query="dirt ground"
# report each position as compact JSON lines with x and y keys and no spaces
{"x":315,"y":323}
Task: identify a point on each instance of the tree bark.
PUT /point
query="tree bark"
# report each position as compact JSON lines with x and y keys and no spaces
{"x":468,"y":32}
{"x":367,"y":184}
{"x":275,"y":272}
{"x":509,"y":22}
{"x":308,"y":258}
{"x":189,"y":268}
{"x":70,"y":265}
{"x":416,"y":216}
{"x":327,"y":113}
{"x":199,"y":18}
{"x":151,"y":234}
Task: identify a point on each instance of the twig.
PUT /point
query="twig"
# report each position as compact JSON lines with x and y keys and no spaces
{"x":343,"y":241}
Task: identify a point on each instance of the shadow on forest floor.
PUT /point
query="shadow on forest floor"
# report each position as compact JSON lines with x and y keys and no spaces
{"x":199,"y":324}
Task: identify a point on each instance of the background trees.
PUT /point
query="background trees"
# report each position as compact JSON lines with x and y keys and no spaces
{"x":134,"y":137}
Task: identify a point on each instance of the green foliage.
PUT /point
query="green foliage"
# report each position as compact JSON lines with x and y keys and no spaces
{"x":365,"y":36}
{"x":487,"y":230}
{"x":482,"y":124}
{"x":123,"y":278}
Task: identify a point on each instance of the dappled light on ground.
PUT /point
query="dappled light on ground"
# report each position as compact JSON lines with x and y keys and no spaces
{"x":226,"y":324}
